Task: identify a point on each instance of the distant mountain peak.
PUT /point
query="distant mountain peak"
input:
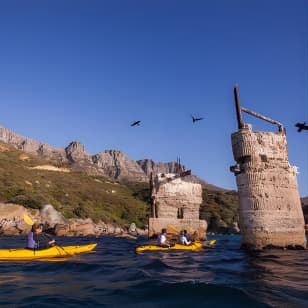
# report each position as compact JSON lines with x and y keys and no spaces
{"x":109,"y":163}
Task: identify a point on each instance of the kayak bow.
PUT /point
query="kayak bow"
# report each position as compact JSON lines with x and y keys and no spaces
{"x":20,"y":254}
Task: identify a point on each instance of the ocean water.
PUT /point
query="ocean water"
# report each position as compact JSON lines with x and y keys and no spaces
{"x":115,"y":276}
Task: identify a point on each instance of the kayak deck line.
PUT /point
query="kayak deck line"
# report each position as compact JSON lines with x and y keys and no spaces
{"x":196,"y":246}
{"x":19,"y":254}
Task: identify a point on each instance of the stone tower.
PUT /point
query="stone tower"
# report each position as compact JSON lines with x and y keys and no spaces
{"x":270,"y":207}
{"x":176,"y":203}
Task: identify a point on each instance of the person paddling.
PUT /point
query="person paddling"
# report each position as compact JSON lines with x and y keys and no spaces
{"x":37,"y":239}
{"x":186,"y":234}
{"x":162,"y":239}
{"x":182,"y":239}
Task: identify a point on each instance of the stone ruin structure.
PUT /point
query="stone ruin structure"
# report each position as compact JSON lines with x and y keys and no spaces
{"x":176,"y":203}
{"x":270,"y":209}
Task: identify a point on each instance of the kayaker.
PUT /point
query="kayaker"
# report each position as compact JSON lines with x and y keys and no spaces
{"x":182,"y":239}
{"x":186,"y":235}
{"x":37,"y":239}
{"x":162,"y":239}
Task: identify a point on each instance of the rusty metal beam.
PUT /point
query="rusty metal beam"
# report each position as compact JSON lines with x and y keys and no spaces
{"x":260,"y":116}
{"x":240,"y":122}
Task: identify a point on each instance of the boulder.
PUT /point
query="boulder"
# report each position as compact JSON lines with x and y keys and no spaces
{"x":86,"y":229}
{"x":61,"y":230}
{"x":51,"y":217}
{"x":142,"y":231}
{"x":11,"y":219}
{"x":118,"y":230}
{"x":132,"y":230}
{"x":233,"y":228}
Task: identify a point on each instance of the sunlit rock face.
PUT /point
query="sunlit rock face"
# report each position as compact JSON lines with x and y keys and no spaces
{"x":176,"y":203}
{"x":270,"y":207}
{"x":116,"y":165}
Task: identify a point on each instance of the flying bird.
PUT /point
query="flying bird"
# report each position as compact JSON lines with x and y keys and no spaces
{"x":301,"y":126}
{"x":196,"y":119}
{"x":136,"y":123}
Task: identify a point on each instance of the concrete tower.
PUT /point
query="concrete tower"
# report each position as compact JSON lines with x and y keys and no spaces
{"x":176,"y":202}
{"x":270,"y":207}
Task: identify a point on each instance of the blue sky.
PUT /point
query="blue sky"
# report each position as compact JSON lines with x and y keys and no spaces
{"x":84,"y":70}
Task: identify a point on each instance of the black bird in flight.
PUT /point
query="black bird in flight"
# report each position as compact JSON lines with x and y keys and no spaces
{"x":301,"y":126}
{"x":136,"y":123}
{"x":196,"y":119}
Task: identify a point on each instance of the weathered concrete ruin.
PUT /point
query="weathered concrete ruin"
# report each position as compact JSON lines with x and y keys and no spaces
{"x":176,"y":203}
{"x":270,"y":207}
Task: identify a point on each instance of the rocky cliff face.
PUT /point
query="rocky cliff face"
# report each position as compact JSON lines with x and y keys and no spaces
{"x":113,"y":164}
{"x":31,"y":146}
{"x":116,"y":165}
{"x":80,"y":160}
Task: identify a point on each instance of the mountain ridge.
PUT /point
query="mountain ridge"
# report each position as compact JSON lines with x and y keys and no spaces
{"x":113,"y":164}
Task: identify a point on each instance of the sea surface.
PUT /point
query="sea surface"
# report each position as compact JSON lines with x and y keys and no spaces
{"x":115,"y":276}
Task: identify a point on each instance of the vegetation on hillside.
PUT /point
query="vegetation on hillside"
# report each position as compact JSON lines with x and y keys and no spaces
{"x":74,"y":194}
{"x":219,"y":209}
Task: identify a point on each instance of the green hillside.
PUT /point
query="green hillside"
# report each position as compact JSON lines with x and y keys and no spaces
{"x":219,"y":209}
{"x":74,"y":194}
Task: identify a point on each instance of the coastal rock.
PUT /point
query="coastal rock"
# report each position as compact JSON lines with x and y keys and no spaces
{"x":82,"y":227}
{"x":62,"y":230}
{"x":101,"y":228}
{"x":118,"y":230}
{"x":12,"y":223}
{"x":76,"y":227}
{"x":133,"y":229}
{"x":11,"y":219}
{"x":142,"y":232}
{"x":51,"y":217}
{"x":233,"y":228}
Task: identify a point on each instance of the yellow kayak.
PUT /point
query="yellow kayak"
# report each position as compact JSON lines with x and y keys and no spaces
{"x":20,"y":254}
{"x":196,"y":246}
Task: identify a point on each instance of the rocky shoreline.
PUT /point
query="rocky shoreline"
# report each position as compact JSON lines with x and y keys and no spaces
{"x":12,"y":223}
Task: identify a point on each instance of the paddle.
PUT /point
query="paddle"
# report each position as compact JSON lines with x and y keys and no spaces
{"x":28,"y":220}
{"x":173,"y":228}
{"x":212,"y":242}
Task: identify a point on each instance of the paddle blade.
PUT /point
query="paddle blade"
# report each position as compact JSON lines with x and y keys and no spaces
{"x":173,"y":228}
{"x":212,"y":242}
{"x":28,"y":220}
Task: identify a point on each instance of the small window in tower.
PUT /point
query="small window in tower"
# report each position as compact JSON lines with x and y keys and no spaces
{"x":180,"y":213}
{"x":244,"y":159}
{"x":263,"y":158}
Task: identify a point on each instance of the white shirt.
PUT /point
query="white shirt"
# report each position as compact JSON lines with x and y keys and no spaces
{"x":162,"y":239}
{"x":183,"y":240}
